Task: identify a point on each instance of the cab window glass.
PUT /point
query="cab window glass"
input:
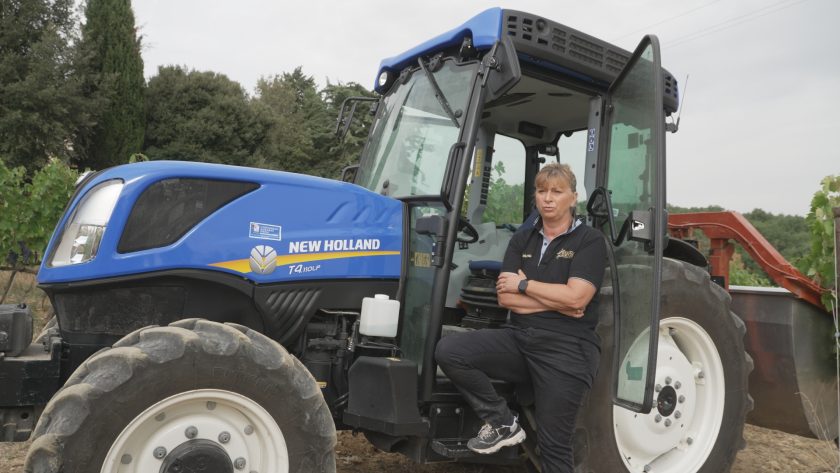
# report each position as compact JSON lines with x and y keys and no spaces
{"x":506,"y":192}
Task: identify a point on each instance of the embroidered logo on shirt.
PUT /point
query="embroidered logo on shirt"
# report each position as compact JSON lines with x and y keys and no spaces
{"x":526,"y":255}
{"x":568,"y":254}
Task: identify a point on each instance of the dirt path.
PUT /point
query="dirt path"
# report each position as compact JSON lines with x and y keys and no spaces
{"x":767,"y":451}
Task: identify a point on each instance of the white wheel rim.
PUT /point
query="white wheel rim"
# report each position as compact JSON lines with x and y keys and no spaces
{"x":253,"y":437}
{"x":688,"y":365}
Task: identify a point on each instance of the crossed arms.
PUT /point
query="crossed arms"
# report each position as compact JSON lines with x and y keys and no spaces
{"x":568,"y":299}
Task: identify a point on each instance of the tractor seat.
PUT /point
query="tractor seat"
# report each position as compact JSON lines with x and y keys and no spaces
{"x":488,"y":267}
{"x":478,"y":296}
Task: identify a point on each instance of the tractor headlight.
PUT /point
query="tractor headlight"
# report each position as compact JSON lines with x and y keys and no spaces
{"x":83,"y":232}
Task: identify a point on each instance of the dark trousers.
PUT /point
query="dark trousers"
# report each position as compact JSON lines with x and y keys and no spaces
{"x":561,"y":368}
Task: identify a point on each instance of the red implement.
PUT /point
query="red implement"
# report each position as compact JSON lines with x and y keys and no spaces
{"x":721,"y":227}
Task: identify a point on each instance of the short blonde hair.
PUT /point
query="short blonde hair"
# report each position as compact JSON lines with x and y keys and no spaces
{"x":553,"y":171}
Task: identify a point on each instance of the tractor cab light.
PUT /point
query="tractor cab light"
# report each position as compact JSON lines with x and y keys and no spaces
{"x":383,"y":78}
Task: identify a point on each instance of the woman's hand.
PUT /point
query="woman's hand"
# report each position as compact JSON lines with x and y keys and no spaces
{"x":509,"y":282}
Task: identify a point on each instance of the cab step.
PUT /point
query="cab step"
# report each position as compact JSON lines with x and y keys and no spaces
{"x":457,"y":449}
{"x":452,"y":448}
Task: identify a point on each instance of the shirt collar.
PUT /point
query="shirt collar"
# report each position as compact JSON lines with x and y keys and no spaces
{"x":576,"y":222}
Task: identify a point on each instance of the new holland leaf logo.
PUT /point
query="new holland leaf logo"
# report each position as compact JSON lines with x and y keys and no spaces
{"x":263,"y":259}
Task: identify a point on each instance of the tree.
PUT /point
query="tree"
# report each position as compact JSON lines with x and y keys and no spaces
{"x":301,"y":135}
{"x":200,"y":116}
{"x":348,"y":150}
{"x":42,"y":109}
{"x":298,"y":134}
{"x":286,"y":102}
{"x":114,"y":69}
{"x":787,"y":233}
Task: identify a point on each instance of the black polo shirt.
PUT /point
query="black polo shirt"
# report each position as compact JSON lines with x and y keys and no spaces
{"x":580,"y":253}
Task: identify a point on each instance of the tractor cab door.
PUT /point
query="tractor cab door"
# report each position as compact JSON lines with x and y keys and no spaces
{"x":633,"y":175}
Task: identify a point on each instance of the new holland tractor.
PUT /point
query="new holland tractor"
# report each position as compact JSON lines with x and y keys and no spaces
{"x":223,"y":319}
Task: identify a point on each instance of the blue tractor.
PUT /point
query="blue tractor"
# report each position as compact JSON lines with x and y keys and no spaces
{"x":224,"y":319}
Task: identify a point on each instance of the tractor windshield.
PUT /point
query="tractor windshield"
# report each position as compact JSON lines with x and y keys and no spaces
{"x":409,"y":145}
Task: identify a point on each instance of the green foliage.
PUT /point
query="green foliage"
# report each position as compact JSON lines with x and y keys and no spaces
{"x":288,"y":125}
{"x":113,"y":69}
{"x":43,"y":110}
{"x":820,"y":261}
{"x":347,"y":151}
{"x":30,"y":209}
{"x":11,"y":184}
{"x":741,"y":275}
{"x":201,"y":116}
{"x":504,"y":201}
{"x":301,"y":120}
{"x":292,"y":108}
{"x":675,"y":209}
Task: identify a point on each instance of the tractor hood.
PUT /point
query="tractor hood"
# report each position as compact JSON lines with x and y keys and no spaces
{"x":265,"y":226}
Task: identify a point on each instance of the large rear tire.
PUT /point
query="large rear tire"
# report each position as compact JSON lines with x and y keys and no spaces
{"x":696,"y":424}
{"x":182,"y":397}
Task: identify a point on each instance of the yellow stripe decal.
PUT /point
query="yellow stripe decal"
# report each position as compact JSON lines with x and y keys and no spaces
{"x":243,"y":266}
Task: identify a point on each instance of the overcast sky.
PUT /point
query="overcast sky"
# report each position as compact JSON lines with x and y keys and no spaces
{"x":760,"y":128}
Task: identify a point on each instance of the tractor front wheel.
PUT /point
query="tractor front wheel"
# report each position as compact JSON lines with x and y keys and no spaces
{"x":193,"y":396}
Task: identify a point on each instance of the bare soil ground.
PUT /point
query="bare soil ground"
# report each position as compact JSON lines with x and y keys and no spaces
{"x":767,"y":450}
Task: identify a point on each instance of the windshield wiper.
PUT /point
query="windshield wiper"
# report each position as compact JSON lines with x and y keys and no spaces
{"x":438,"y":93}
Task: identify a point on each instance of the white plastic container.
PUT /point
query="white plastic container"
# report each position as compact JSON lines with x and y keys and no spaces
{"x":380,"y":316}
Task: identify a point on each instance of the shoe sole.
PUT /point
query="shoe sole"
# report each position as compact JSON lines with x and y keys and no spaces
{"x":518,"y":438}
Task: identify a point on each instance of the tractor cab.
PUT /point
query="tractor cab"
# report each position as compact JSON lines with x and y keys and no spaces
{"x":464,"y":123}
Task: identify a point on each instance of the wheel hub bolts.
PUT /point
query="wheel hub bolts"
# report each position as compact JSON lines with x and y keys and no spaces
{"x":681,"y":399}
{"x":249,"y":429}
{"x":668,"y":380}
{"x":678,"y":385}
{"x":689,"y":440}
{"x":239,"y":463}
{"x":658,"y":388}
{"x":677,"y":414}
{"x":159,"y":453}
{"x":667,"y":422}
{"x":224,"y":437}
{"x":191,"y":432}
{"x":658,"y":418}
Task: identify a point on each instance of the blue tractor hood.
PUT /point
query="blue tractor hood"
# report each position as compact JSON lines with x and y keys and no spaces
{"x":278,"y":227}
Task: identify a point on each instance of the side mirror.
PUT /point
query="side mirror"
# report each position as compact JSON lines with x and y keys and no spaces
{"x":348,"y":174}
{"x":434,"y":226}
{"x":345,"y":115}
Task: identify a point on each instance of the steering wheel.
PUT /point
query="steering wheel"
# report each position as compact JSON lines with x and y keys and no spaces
{"x":467,"y":228}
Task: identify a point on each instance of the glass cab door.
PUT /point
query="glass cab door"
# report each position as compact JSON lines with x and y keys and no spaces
{"x":406,"y":158}
{"x":635,"y":179}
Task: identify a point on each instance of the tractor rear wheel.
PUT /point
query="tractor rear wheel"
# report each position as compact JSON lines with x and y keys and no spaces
{"x":696,"y":424}
{"x":193,"y":396}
